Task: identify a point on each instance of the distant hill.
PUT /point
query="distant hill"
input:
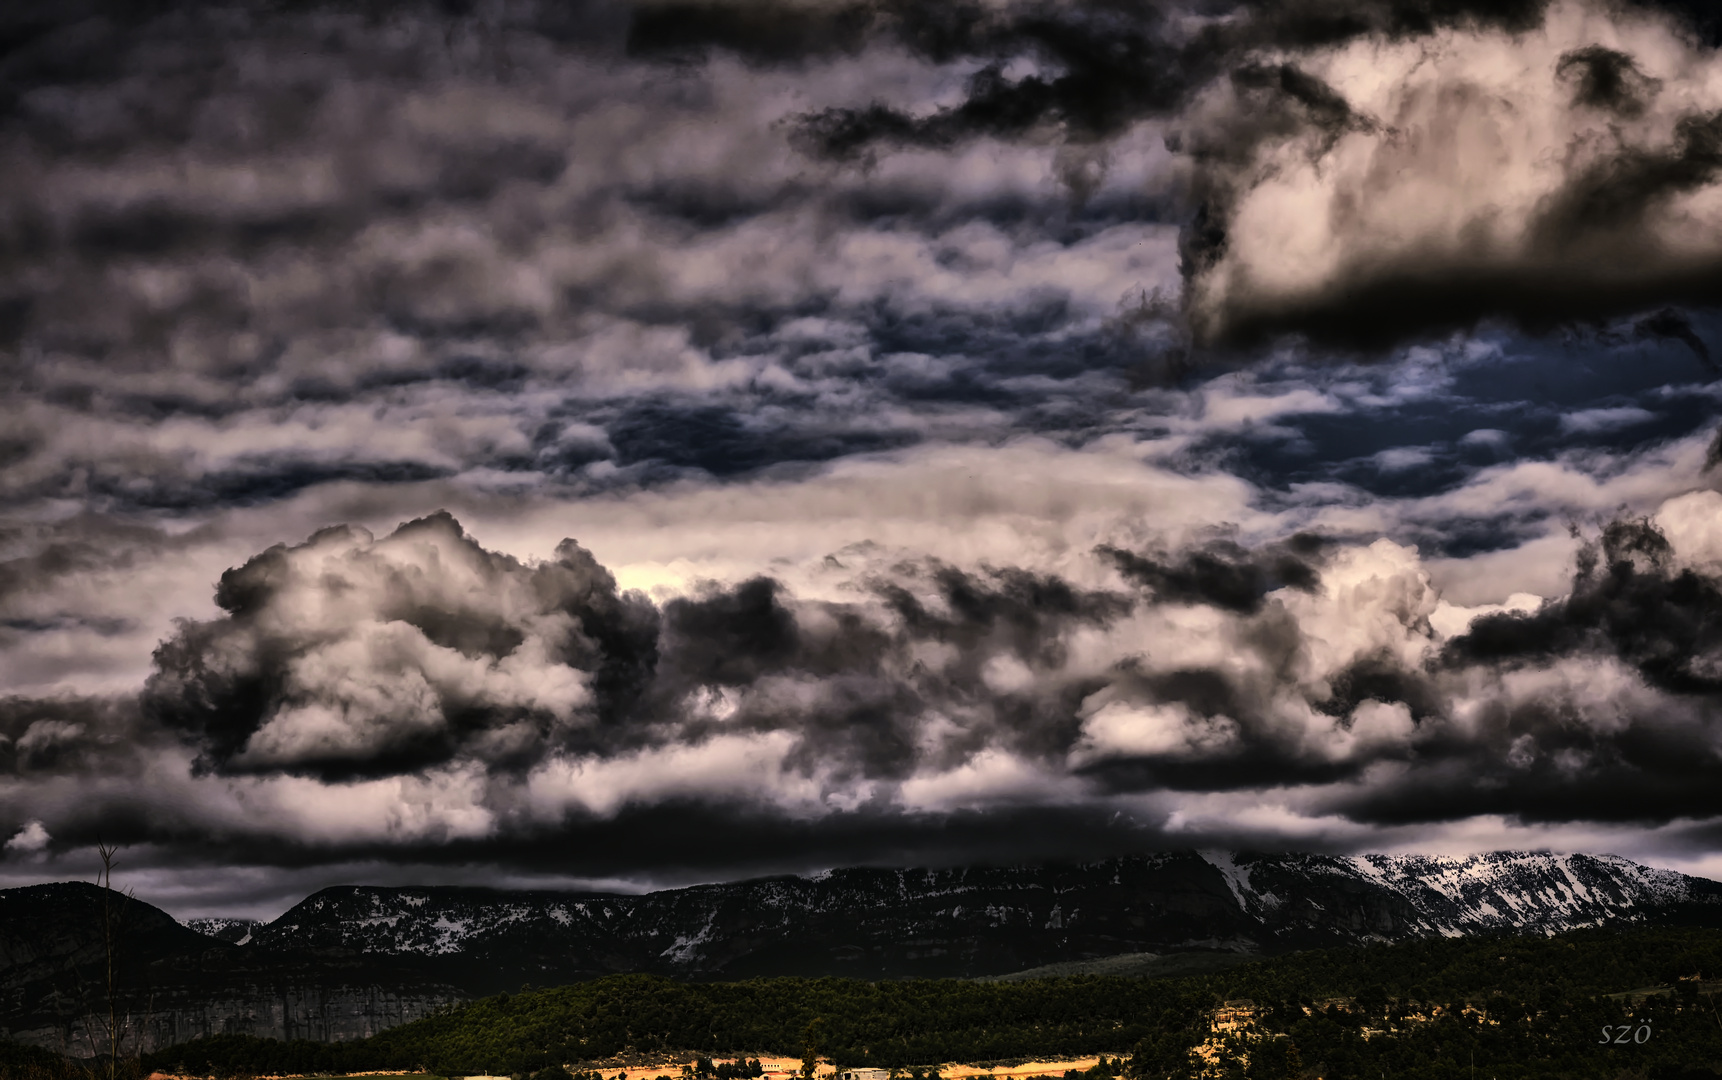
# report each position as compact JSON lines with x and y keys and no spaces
{"x":175,"y":983}
{"x":352,"y":960}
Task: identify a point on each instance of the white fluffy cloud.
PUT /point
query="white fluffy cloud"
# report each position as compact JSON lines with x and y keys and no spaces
{"x":1542,"y":174}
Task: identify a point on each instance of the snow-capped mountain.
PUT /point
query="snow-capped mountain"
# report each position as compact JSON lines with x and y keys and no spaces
{"x":347,"y":961}
{"x":988,"y":921}
{"x":236,"y":931}
{"x":1457,"y":895}
{"x":1530,"y":891}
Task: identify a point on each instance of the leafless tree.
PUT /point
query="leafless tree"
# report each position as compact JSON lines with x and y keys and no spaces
{"x":114,"y":1014}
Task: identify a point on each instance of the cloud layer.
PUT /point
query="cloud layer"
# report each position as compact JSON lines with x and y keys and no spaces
{"x":417,"y":692}
{"x":989,"y":432}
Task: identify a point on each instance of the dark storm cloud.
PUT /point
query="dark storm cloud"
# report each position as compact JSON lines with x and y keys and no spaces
{"x":731,"y":638}
{"x":348,"y":661}
{"x":1607,"y":79}
{"x":1629,"y":601}
{"x":345,"y":658}
{"x":1671,"y":325}
{"x":697,"y":840}
{"x":56,"y":737}
{"x":1017,"y":608}
{"x":300,"y":673}
{"x":1540,"y":262}
{"x":249,"y":254}
{"x":496,"y":237}
{"x":564,"y":712}
{"x":254,"y":482}
{"x":1610,"y":693}
{"x":1223,"y":573}
{"x":1076,"y":32}
{"x":1102,"y":67}
{"x":763,"y":32}
{"x":1108,"y":64}
{"x":348,"y":658}
{"x":1381,"y":677}
{"x":1632,"y":741}
{"x":1317,"y":104}
{"x":1109,"y":85}
{"x":1557,"y":757}
{"x":1618,"y":192}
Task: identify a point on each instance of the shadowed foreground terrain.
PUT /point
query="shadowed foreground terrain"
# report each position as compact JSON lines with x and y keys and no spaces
{"x":1512,"y":1006}
{"x":353,"y":961}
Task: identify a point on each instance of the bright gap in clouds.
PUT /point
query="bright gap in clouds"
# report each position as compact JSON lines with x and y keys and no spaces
{"x":578,"y":444}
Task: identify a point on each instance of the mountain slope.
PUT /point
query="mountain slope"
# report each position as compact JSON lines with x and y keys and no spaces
{"x":48,"y":930}
{"x":1455,"y":895}
{"x":968,"y":922}
{"x":351,"y":960}
{"x":174,"y":983}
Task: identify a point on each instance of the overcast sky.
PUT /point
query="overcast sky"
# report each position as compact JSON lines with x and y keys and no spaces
{"x":628,"y":445}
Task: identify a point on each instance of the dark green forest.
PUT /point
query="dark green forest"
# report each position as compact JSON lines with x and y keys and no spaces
{"x":1608,"y":1004}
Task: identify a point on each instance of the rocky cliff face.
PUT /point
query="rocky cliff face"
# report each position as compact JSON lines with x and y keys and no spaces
{"x":283,"y":1007}
{"x":174,"y":983}
{"x":349,"y":961}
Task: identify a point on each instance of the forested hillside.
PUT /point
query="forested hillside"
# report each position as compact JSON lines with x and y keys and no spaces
{"x":1511,"y":1007}
{"x":849,"y":1021}
{"x":351,"y":961}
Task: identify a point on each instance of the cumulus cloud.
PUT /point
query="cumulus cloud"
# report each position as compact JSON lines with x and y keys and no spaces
{"x":350,"y":656}
{"x":422,"y":694}
{"x":1555,"y":172}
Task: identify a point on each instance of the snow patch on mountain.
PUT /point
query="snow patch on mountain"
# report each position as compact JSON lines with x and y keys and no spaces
{"x":1237,"y":877}
{"x":1522,"y":890}
{"x":682,"y":951}
{"x":1248,"y":900}
{"x":235,"y":931}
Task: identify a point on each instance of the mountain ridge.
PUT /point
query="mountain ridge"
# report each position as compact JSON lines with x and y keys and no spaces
{"x":350,"y":960}
{"x":1273,"y":905}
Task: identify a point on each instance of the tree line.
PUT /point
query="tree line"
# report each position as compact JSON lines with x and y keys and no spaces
{"x":1499,"y":1008}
